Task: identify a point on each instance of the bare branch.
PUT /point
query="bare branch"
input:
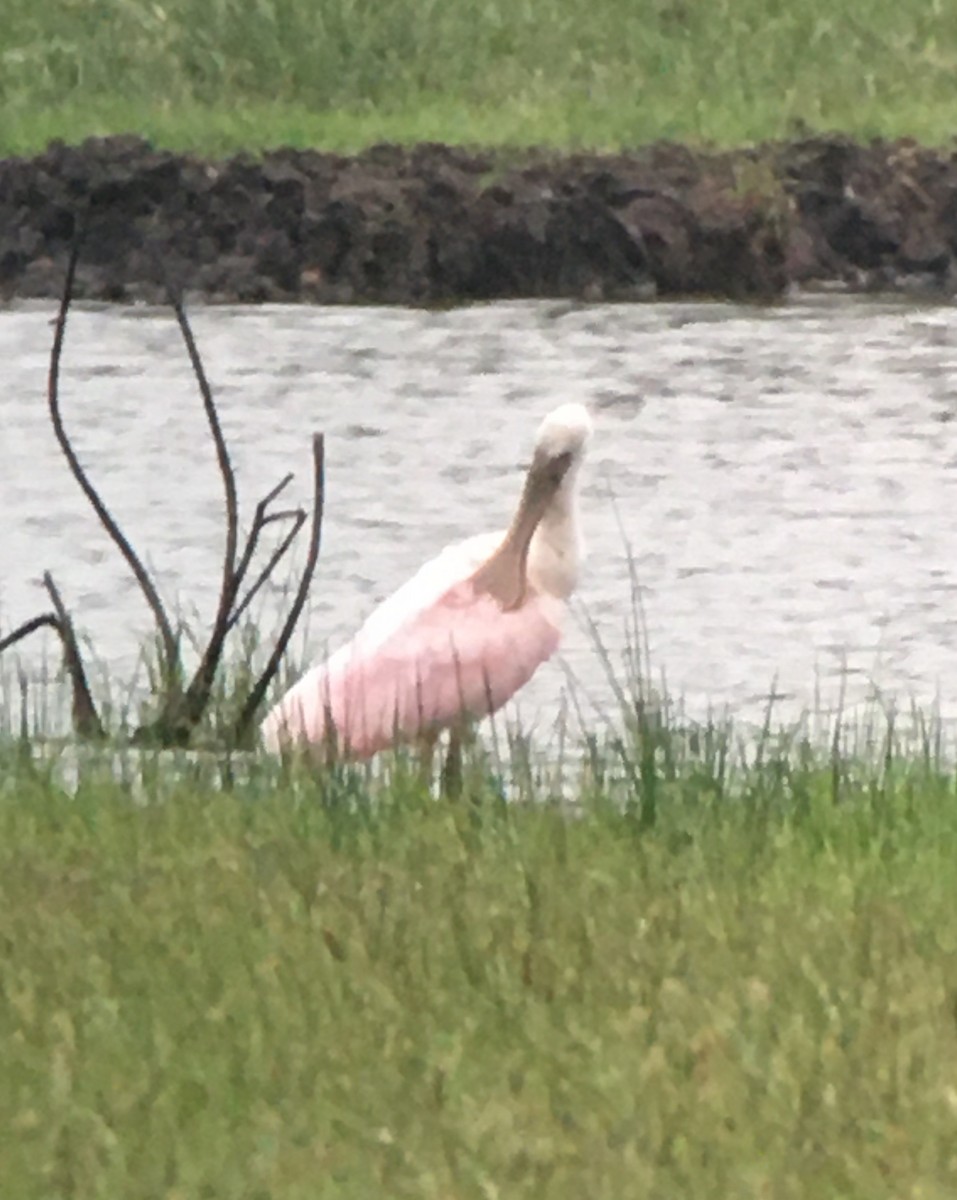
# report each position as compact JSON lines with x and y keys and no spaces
{"x":185,"y":716}
{"x":270,"y":496}
{"x":170,"y":644}
{"x":283,"y":514}
{"x":299,"y":519}
{"x":227,"y":590}
{"x":259,"y":520}
{"x":181,"y":708}
{"x":28,"y":627}
{"x":255,"y":697}
{"x":86,"y":720}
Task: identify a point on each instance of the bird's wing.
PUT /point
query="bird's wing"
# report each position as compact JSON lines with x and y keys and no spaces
{"x":462,"y":656}
{"x":435,"y":650}
{"x":451,"y":565}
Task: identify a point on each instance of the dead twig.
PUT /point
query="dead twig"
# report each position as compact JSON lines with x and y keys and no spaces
{"x":222,"y":455}
{"x":86,"y":720}
{"x":197,"y":693}
{"x":179,"y":711}
{"x":259,"y":689}
{"x":283,"y":514}
{"x":168,"y":638}
{"x":43,"y":620}
{"x":260,"y":519}
{"x":299,"y":519}
{"x":180,"y":716}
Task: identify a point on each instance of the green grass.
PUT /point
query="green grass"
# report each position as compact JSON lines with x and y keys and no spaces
{"x":732,"y":973}
{"x":218,"y":75}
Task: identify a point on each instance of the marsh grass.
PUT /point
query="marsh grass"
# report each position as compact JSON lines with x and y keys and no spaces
{"x":345,"y":73}
{"x":701,"y":962}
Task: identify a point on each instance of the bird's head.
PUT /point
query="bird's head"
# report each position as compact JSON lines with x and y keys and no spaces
{"x":560,"y":445}
{"x":559,"y":449}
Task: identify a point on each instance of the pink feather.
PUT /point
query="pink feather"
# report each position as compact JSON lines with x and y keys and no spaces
{"x":437,"y":650}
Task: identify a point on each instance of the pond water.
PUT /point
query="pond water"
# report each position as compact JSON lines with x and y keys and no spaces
{"x":779,"y":483}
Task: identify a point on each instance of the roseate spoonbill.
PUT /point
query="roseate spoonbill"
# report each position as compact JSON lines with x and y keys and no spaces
{"x":467,"y":631}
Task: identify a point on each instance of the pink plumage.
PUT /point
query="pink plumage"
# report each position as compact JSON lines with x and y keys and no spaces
{"x":453,"y":642}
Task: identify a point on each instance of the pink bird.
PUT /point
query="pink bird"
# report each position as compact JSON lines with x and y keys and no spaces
{"x":467,"y":631}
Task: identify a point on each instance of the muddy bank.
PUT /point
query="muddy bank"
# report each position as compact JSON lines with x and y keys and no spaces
{"x":434,"y":224}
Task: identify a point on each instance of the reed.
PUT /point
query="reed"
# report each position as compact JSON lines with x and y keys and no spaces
{"x":247,"y":74}
{"x":696,"y":961}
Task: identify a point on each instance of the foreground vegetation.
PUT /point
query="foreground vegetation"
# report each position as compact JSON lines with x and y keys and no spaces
{"x":344,"y":73}
{"x":726,"y":971}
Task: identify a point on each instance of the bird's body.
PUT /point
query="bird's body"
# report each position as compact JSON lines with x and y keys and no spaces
{"x":464,"y":634}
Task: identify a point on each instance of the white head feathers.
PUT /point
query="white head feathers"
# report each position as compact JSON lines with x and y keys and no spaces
{"x":565,"y":430}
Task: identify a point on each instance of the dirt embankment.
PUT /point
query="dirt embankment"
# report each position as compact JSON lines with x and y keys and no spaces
{"x":435,"y":224}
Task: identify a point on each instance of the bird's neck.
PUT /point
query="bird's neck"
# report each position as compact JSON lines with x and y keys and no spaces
{"x":554,"y":557}
{"x":504,"y":574}
{"x":541,"y":548}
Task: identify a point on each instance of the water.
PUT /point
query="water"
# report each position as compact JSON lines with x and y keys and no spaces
{"x":784,"y":479}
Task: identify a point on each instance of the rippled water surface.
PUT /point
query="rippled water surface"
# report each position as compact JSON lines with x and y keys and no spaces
{"x":786,"y":478}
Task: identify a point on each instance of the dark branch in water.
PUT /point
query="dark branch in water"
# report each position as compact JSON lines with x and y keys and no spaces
{"x":186,"y":715}
{"x":222,"y":456}
{"x":48,"y":620}
{"x":178,"y":719}
{"x":284,"y":514}
{"x":168,"y":638}
{"x":178,"y":711}
{"x":86,"y":720}
{"x":255,"y":697}
{"x":299,"y":519}
{"x":260,"y":519}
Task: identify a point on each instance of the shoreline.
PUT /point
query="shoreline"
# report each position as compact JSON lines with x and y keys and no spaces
{"x":435,"y":224}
